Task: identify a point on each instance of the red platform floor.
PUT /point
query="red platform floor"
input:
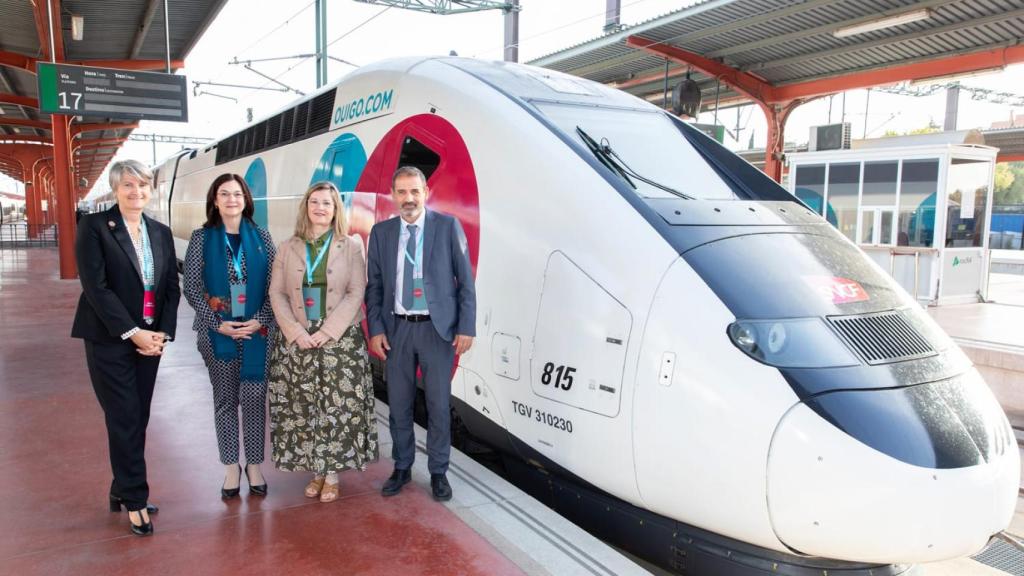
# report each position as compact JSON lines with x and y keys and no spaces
{"x":54,"y":472}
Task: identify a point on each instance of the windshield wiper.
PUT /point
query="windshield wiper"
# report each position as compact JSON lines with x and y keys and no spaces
{"x":615,"y":163}
{"x":604,"y":157}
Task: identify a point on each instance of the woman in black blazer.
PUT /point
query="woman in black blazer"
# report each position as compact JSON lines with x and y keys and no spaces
{"x":127,"y":312}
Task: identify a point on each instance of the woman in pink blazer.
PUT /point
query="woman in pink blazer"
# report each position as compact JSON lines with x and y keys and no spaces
{"x":321,"y":393}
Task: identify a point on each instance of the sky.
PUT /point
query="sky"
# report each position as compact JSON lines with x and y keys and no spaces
{"x":361,"y":34}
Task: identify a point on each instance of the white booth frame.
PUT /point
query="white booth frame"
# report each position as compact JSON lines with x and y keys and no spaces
{"x":925,"y":272}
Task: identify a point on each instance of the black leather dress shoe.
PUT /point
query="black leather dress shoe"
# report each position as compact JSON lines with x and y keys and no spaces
{"x":116,"y":502}
{"x":440,"y":487}
{"x":394,"y":484}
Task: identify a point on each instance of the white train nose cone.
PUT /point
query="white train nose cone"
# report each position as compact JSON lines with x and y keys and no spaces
{"x":832,"y":494}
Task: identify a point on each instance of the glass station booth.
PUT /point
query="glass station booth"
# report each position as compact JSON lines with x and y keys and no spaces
{"x":918,"y":206}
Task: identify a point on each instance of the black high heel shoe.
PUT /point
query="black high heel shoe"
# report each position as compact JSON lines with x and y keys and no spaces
{"x":116,"y":502}
{"x":229,"y":493}
{"x":260,"y":490}
{"x":144,"y":529}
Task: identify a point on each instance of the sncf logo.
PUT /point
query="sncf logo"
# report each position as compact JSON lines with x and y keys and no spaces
{"x":837,"y":290}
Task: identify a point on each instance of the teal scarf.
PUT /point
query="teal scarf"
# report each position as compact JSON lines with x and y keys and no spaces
{"x":218,"y":286}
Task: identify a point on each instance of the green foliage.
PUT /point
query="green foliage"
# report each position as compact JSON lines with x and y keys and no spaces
{"x":1008,"y":189}
{"x":930,"y":129}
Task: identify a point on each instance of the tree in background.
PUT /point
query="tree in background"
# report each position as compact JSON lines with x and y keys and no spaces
{"x":1008,"y":187}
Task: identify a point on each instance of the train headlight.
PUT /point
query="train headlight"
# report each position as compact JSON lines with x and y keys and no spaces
{"x":744,"y":337}
{"x":795,"y":343}
{"x":776,"y":338}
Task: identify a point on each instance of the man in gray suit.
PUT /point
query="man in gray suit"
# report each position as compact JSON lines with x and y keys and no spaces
{"x":421,"y":311}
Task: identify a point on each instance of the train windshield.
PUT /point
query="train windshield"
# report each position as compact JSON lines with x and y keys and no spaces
{"x":648,"y":144}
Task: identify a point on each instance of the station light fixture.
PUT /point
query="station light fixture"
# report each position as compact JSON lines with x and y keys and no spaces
{"x":885,"y":22}
{"x":77,"y":27}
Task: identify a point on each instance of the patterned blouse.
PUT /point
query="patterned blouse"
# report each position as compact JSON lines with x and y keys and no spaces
{"x":195,"y":290}
{"x":144,"y":252}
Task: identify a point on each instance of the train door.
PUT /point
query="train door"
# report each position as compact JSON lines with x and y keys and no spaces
{"x":435,"y":146}
{"x":580,"y":341}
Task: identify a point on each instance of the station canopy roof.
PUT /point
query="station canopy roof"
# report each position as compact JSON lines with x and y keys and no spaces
{"x":125,"y":34}
{"x":824,"y":45}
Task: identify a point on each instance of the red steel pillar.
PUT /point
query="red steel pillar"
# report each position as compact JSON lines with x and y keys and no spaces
{"x":774,"y":153}
{"x":42,"y":189}
{"x":64,"y":197}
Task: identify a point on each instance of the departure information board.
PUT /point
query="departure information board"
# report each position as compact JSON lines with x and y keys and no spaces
{"x":111,"y":93}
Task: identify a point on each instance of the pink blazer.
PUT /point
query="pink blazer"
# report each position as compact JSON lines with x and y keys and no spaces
{"x":346,"y":284}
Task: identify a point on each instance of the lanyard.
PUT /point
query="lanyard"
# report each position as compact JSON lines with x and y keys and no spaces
{"x":419,"y":251}
{"x":145,"y":253}
{"x":236,"y":259}
{"x":309,"y":255}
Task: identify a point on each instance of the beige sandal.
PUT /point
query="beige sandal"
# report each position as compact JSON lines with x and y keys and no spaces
{"x":330,"y":492}
{"x":315,"y":486}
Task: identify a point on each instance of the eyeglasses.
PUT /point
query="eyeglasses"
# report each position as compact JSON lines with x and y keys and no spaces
{"x":226,"y":194}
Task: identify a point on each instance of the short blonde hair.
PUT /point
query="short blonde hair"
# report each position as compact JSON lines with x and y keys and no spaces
{"x":304,"y":228}
{"x":133,"y":168}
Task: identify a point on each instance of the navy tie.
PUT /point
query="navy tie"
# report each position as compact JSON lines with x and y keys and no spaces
{"x":407,"y":274}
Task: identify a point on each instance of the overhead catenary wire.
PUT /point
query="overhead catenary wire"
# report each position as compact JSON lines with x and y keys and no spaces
{"x":283,"y":23}
{"x":601,"y":14}
{"x":329,"y":44}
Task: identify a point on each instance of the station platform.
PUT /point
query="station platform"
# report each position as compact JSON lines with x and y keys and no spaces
{"x":54,"y":472}
{"x":991,"y":335}
{"x":1007,"y":262}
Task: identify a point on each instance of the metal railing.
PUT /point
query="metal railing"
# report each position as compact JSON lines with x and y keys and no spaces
{"x":24,"y":235}
{"x":915,"y":253}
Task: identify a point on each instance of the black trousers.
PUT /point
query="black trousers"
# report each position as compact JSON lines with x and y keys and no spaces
{"x":417,"y":344}
{"x":123,"y":381}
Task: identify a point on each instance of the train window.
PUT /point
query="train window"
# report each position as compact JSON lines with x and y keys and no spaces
{"x":321,"y":109}
{"x":261,"y":136}
{"x":301,"y":119}
{"x":287,"y":120}
{"x":415,"y":153}
{"x":274,"y":131}
{"x":648,"y":143}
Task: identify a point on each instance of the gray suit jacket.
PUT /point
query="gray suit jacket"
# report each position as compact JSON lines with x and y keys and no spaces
{"x":447,"y":277}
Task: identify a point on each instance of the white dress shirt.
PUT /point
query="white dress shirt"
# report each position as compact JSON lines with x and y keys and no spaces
{"x":403,"y":239}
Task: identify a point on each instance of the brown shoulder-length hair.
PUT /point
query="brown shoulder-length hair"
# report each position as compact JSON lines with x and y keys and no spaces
{"x":304,"y":228}
{"x":213,"y":218}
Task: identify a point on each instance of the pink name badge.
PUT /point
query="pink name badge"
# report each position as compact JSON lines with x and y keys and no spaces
{"x":149,"y":304}
{"x":238,"y":300}
{"x":311,"y":299}
{"x":417,"y":292}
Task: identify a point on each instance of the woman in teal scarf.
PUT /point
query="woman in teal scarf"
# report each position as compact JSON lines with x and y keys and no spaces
{"x":227,"y":274}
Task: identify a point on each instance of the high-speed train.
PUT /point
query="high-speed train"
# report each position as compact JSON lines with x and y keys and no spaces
{"x":677,"y":353}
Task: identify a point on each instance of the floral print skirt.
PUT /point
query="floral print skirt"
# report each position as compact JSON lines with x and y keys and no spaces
{"x":321,"y":405}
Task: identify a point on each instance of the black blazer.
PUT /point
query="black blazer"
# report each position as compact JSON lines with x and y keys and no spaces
{"x":112,"y":290}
